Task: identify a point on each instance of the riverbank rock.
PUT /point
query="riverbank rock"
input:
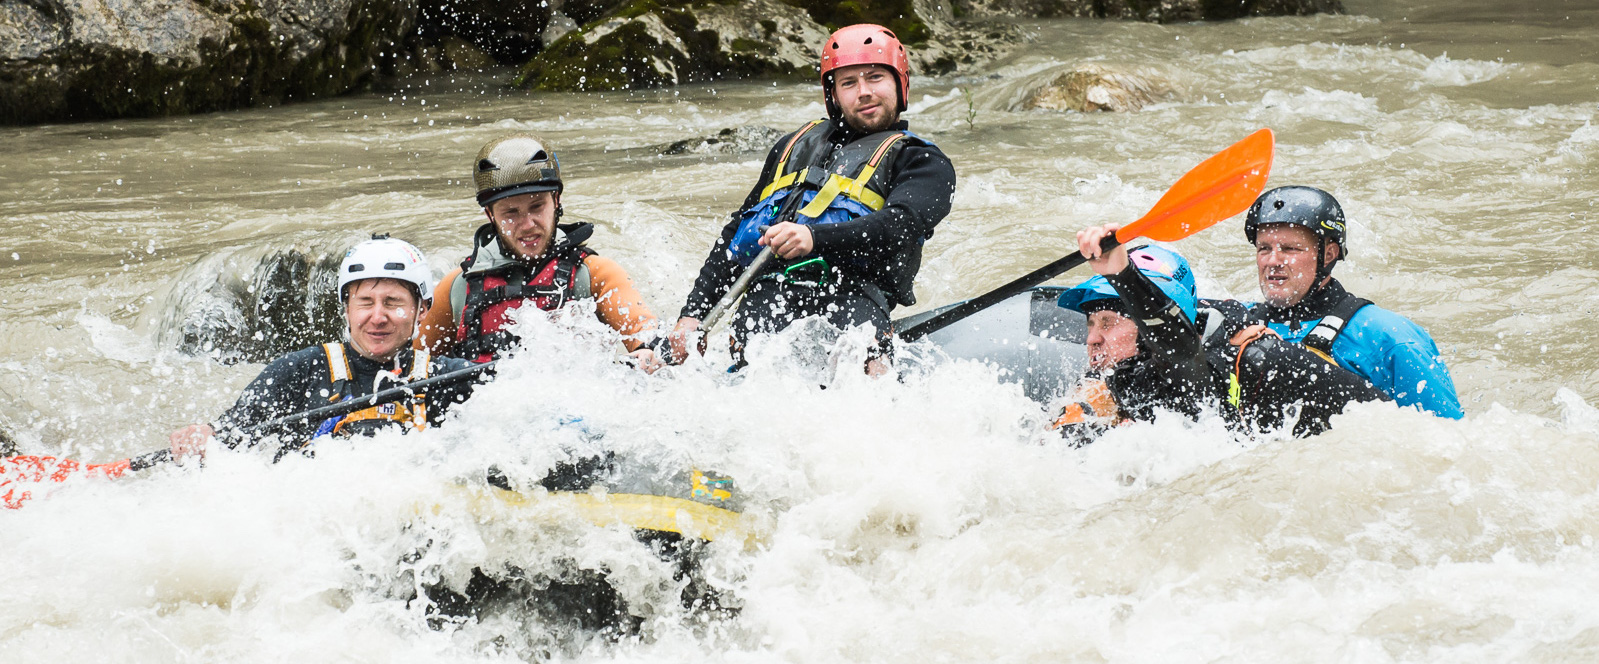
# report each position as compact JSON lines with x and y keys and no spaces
{"x":89,"y":59}
{"x":655,"y":43}
{"x":510,"y":32}
{"x":1095,"y":87}
{"x":1158,"y":11}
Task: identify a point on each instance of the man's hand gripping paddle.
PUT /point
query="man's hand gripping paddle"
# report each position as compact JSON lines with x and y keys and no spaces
{"x":1219,"y":187}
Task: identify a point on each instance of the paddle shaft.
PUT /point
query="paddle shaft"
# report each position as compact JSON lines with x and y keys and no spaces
{"x":737,"y":291}
{"x":348,"y":406}
{"x":986,"y":300}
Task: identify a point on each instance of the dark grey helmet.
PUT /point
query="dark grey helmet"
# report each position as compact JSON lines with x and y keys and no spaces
{"x":1310,"y":207}
{"x":514,"y":165}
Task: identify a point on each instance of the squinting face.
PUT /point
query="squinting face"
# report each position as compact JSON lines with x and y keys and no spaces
{"x":868,"y":96}
{"x":525,"y":222}
{"x":1285,"y":262}
{"x":1112,"y":338}
{"x":382,"y":313}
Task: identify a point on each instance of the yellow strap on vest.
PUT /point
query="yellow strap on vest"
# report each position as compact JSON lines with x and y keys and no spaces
{"x":338,"y":364}
{"x":782,"y":161}
{"x":853,"y":188}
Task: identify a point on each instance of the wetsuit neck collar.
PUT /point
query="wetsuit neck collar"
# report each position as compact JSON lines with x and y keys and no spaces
{"x":361,"y":364}
{"x":1317,"y":304}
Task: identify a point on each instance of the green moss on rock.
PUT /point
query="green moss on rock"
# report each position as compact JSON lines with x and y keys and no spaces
{"x":897,"y":15}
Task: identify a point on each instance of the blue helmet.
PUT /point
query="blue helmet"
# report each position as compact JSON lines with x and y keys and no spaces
{"x":1166,"y":268}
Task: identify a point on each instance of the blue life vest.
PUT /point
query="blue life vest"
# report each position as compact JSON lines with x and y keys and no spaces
{"x":834,"y":185}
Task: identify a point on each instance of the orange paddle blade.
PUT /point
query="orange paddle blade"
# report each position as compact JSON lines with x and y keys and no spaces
{"x":1219,"y":187}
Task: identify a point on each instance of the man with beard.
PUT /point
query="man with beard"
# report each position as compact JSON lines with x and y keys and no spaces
{"x":845,"y":203}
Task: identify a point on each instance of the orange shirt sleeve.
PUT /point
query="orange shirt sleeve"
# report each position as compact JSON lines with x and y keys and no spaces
{"x":438,"y":324}
{"x":618,"y":303}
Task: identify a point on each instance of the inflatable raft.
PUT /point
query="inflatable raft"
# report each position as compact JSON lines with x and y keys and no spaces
{"x":1029,"y":338}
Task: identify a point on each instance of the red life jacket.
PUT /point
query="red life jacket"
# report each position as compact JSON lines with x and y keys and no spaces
{"x":496,"y":290}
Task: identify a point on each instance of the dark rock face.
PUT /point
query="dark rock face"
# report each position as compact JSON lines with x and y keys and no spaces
{"x":90,"y":59}
{"x":1159,"y":11}
{"x":509,"y":31}
{"x":653,"y":43}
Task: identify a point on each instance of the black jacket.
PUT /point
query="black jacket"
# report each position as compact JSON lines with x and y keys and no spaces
{"x":918,"y":198}
{"x":301,"y":380}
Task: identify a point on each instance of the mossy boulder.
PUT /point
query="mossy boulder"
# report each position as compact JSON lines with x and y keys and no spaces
{"x":654,"y":43}
{"x":93,"y":59}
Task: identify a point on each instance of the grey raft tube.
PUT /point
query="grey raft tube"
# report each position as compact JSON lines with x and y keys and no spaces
{"x":1030,"y":339}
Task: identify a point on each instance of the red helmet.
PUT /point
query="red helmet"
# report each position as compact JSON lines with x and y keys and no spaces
{"x":865,"y":44}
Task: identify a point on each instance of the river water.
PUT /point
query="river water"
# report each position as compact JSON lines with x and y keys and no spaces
{"x":928,"y":519}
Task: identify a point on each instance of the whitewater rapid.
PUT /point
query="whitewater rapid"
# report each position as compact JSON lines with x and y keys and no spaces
{"x":931,"y":518}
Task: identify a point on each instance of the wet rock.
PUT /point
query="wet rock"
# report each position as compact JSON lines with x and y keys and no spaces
{"x":461,"y":54}
{"x":508,"y":31}
{"x":88,"y":59}
{"x":254,"y":305}
{"x":1159,"y":11}
{"x":649,"y":44}
{"x":654,"y":43}
{"x":8,"y":444}
{"x":733,"y":140}
{"x":1095,"y":87}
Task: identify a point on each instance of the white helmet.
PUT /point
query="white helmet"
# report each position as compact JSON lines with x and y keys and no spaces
{"x":383,"y":257}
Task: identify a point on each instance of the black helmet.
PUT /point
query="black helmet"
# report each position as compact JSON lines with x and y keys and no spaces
{"x":1310,"y":207}
{"x":514,"y":165}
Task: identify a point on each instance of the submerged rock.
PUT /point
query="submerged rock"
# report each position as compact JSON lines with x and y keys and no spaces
{"x":254,"y":305}
{"x":89,"y":59}
{"x":733,"y":140}
{"x":1095,"y":87}
{"x":8,"y":445}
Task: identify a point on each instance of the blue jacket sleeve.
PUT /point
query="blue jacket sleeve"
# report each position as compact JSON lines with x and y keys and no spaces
{"x":1400,"y":358}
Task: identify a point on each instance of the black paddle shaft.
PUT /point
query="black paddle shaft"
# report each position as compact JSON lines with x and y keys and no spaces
{"x":348,"y":406}
{"x":946,"y":318}
{"x":339,"y":409}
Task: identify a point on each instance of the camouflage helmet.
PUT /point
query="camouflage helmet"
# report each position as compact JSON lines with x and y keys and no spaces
{"x":513,"y":165}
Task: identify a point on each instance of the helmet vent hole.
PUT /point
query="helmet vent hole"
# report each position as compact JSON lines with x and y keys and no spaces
{"x":394,"y":266}
{"x":1276,"y":205}
{"x":890,"y":33}
{"x":486,"y":165}
{"x":538,"y":156}
{"x":357,"y":267}
{"x":835,"y":44}
{"x":868,"y":40}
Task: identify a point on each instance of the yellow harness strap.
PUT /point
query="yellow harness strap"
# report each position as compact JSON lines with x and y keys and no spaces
{"x":413,"y":413}
{"x":853,"y":188}
{"x":782,"y":163}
